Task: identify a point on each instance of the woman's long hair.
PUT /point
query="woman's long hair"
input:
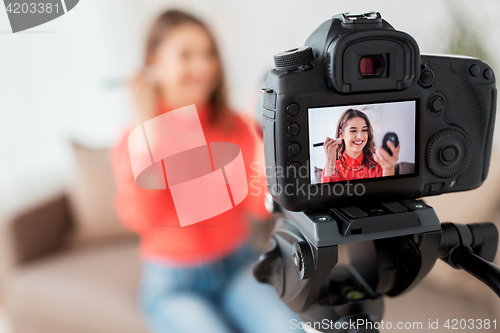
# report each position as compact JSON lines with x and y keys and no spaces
{"x":161,"y":28}
{"x":369,"y":148}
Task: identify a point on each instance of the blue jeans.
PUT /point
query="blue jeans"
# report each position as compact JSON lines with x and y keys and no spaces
{"x":218,"y":297}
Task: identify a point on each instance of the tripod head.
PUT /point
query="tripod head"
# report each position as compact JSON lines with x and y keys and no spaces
{"x":302,"y":260}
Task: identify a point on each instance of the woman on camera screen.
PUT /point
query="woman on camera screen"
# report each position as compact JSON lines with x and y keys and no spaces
{"x":352,"y":155}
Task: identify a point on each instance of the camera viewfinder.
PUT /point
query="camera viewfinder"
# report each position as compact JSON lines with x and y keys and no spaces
{"x":371,"y":66}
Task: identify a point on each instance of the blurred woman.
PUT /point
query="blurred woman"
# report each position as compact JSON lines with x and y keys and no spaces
{"x":352,"y":154}
{"x":195,"y":278}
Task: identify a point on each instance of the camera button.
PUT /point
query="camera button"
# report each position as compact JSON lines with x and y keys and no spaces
{"x":474,"y":70}
{"x":293,"y":109}
{"x":433,"y":187}
{"x":449,"y":154}
{"x":293,"y":129}
{"x":293,"y":167}
{"x":294,"y":148}
{"x":426,"y":77}
{"x":437,"y":104}
{"x":488,"y":74}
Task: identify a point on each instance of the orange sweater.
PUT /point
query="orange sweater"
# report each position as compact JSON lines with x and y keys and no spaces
{"x":152,"y":215}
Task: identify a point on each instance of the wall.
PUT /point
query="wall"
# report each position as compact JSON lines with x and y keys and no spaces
{"x":65,"y":80}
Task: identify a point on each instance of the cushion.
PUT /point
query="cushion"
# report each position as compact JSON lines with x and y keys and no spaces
{"x":91,"y":196}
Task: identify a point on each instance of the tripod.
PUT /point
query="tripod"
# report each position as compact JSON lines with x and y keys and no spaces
{"x":392,"y":247}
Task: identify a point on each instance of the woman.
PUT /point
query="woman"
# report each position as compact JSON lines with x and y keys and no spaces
{"x":352,"y":155}
{"x":191,"y":279}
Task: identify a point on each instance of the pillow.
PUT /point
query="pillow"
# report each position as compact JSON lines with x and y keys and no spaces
{"x":91,"y":196}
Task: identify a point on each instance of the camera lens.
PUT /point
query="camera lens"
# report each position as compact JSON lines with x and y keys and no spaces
{"x":370,"y":66}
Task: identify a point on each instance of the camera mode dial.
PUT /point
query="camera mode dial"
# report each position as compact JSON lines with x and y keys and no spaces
{"x":448,"y":153}
{"x":294,"y":59}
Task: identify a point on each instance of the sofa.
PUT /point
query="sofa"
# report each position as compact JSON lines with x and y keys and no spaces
{"x":67,"y":264}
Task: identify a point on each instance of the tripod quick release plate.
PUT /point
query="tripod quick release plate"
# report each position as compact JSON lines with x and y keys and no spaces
{"x":351,"y":224}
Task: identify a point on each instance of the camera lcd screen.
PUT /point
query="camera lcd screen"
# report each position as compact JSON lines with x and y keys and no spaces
{"x":362,"y":141}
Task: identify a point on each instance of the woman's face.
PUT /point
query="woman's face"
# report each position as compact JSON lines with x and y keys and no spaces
{"x":355,"y":135}
{"x":187,"y":66}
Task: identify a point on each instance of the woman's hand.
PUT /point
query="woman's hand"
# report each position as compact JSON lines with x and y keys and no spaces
{"x":144,"y":90}
{"x":330,"y":146}
{"x":386,"y":161}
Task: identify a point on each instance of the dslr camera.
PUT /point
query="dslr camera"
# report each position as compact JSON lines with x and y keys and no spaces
{"x":357,"y":126}
{"x":440,"y":109}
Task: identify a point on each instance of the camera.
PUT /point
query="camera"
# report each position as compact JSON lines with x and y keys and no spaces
{"x":356,"y":84}
{"x":357,"y":125}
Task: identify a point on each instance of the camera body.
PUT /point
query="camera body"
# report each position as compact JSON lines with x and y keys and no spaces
{"x":442,"y":108}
